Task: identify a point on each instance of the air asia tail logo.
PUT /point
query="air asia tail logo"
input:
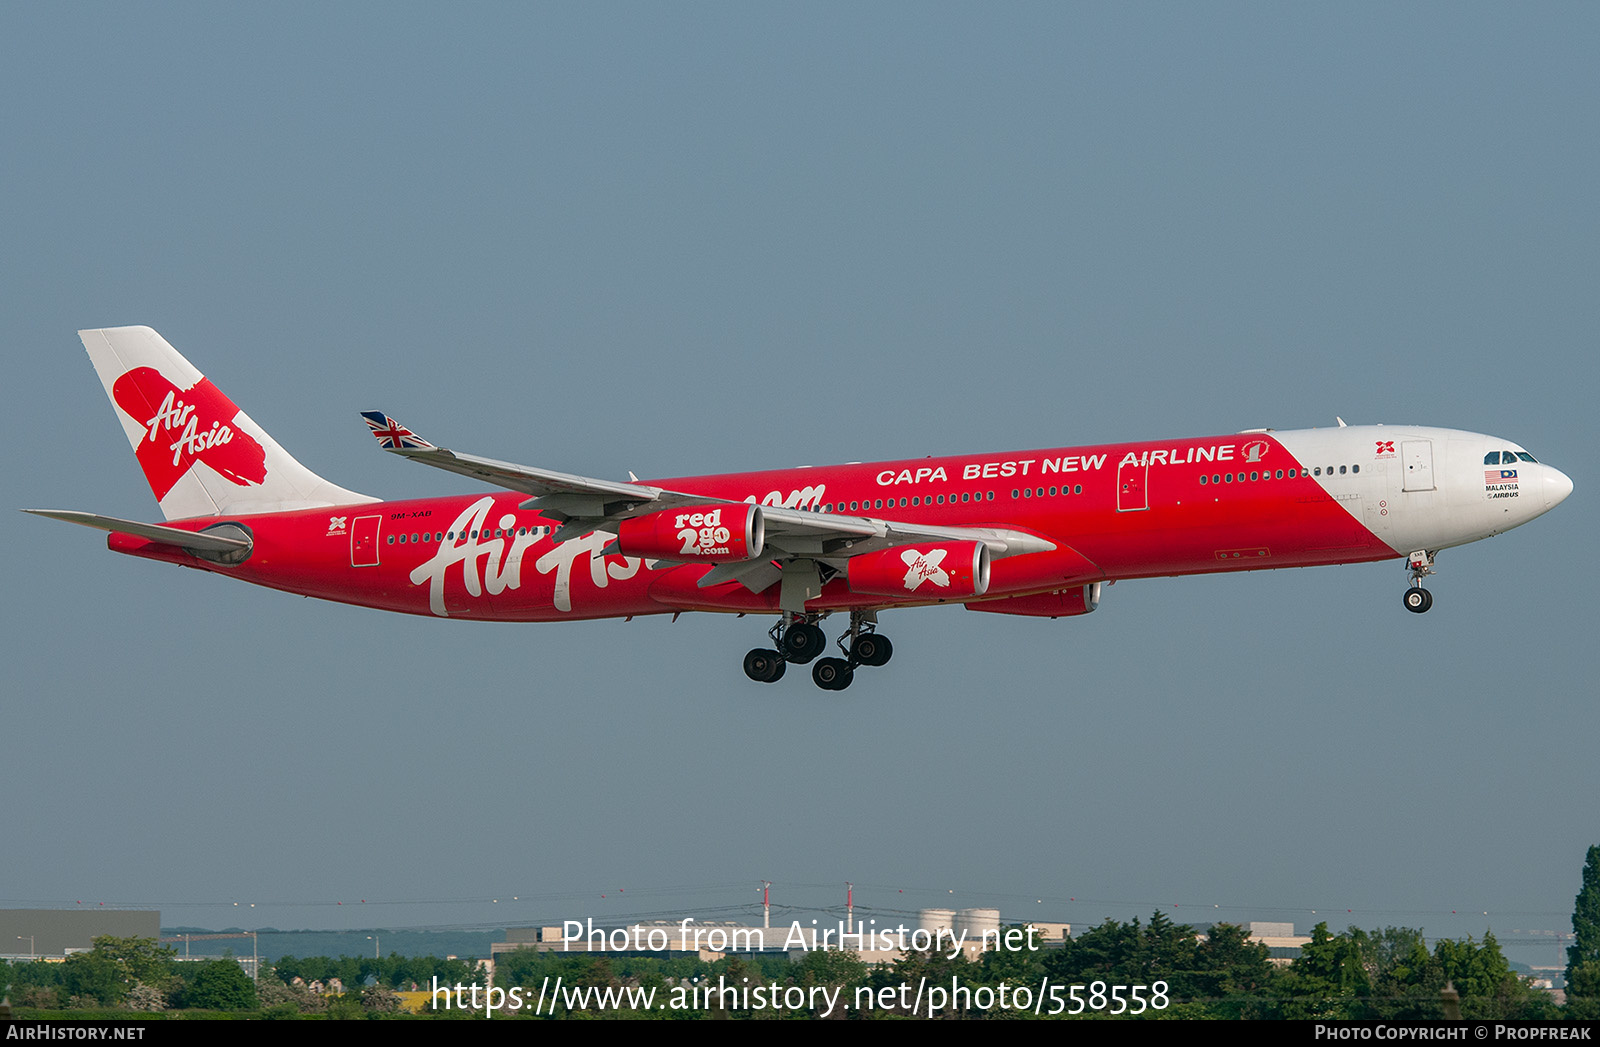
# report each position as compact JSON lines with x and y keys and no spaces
{"x":185,"y":426}
{"x":924,"y":567}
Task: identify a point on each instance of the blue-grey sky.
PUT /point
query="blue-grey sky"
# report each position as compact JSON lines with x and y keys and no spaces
{"x":701,"y":237}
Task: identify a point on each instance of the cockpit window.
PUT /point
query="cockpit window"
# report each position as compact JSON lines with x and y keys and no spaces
{"x":1492,"y":458}
{"x":1526,"y":457}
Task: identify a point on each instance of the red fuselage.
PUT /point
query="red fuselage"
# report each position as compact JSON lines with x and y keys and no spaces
{"x":1113,"y":511}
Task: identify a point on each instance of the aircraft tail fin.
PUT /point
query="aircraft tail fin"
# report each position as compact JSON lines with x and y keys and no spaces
{"x":201,"y":455}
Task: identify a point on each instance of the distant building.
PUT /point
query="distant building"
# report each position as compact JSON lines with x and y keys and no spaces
{"x":53,"y":933}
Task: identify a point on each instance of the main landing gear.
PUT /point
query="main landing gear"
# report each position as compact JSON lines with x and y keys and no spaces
{"x":1420,"y":564}
{"x":799,"y":639}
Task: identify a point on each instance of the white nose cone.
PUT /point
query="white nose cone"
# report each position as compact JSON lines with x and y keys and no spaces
{"x":1557,"y":485}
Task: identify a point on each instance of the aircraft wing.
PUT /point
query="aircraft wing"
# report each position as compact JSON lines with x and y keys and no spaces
{"x":394,"y":437}
{"x":583,"y":504}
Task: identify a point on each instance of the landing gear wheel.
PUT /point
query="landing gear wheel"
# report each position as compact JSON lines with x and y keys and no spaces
{"x":832,"y":674}
{"x":1420,"y":564}
{"x":764,"y":666}
{"x":872,"y":649}
{"x":803,"y":641}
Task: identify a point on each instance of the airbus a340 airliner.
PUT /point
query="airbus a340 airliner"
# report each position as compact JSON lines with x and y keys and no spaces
{"x":1029,"y":533}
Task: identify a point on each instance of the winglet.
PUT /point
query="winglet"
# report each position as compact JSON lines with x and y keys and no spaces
{"x":391,"y":435}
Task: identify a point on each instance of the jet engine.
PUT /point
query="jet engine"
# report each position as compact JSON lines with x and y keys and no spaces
{"x":938,"y":570}
{"x":703,"y":533}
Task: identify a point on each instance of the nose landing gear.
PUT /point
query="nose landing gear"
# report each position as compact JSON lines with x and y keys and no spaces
{"x":1420,"y":564}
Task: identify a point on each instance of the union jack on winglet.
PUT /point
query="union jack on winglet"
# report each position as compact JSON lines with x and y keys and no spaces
{"x":392,"y":436}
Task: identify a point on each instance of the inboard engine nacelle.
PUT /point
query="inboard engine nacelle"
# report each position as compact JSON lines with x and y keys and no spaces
{"x":943,"y":570}
{"x":708,"y":533}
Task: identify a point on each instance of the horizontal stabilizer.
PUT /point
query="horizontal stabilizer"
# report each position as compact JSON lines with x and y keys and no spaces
{"x":211,"y":543}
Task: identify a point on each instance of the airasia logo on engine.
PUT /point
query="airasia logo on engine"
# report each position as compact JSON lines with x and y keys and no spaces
{"x":951,"y":569}
{"x":924,"y":567}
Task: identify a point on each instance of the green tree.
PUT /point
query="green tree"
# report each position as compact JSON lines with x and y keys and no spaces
{"x":1100,"y":952}
{"x":1406,"y":978}
{"x":936,"y":965}
{"x":1014,"y":966}
{"x":1489,"y":988}
{"x":109,"y":970}
{"x":93,"y":976}
{"x":836,"y":968}
{"x":1132,"y":953}
{"x":220,"y":985}
{"x":1583,"y":955}
{"x":1328,"y":979}
{"x":1390,"y":974}
{"x":1233,"y":973}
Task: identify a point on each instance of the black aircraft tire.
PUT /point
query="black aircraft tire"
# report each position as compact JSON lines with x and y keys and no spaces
{"x":763,"y":666}
{"x":1418,"y":600}
{"x":832,"y":674}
